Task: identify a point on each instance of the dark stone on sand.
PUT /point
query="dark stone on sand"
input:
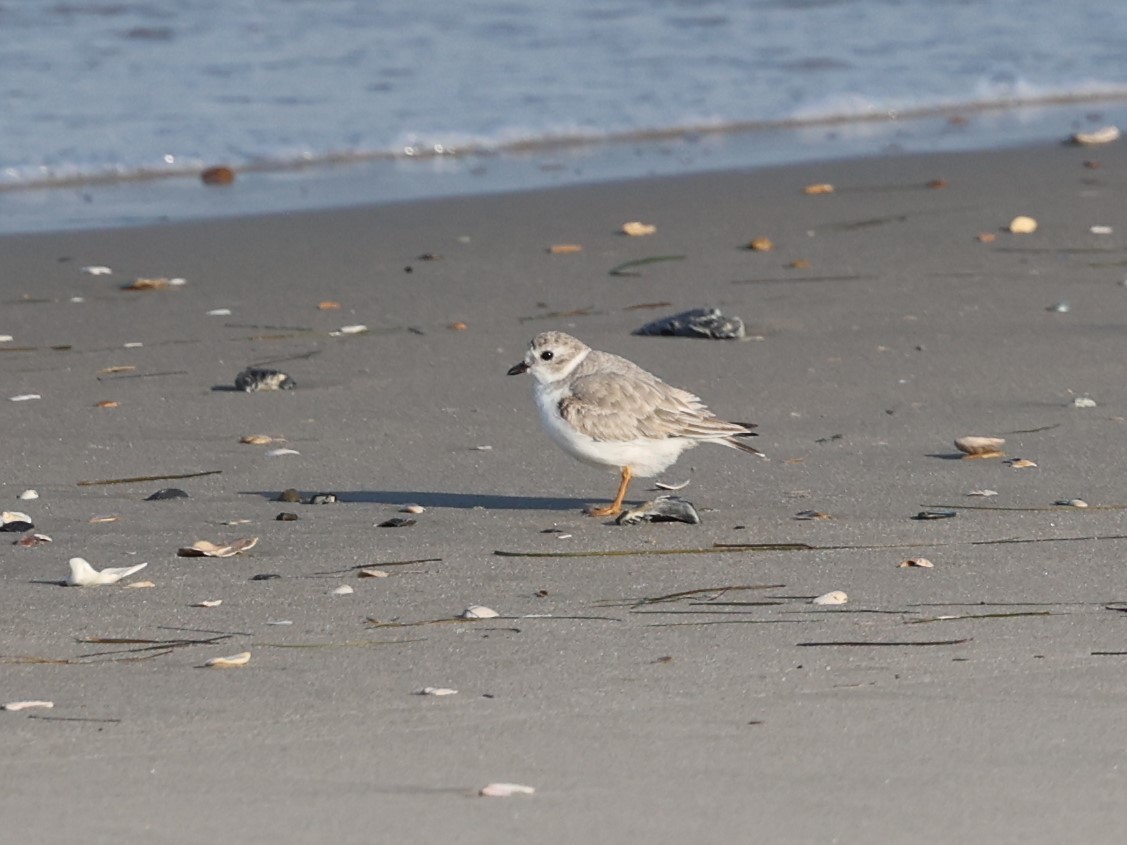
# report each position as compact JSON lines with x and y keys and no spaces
{"x":167,"y":493}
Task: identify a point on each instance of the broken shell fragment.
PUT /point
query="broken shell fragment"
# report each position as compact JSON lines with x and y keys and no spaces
{"x":107,"y":403}
{"x":1023,"y":225}
{"x":661,"y":509}
{"x":936,"y":515}
{"x":1103,"y":135}
{"x":812,"y":515}
{"x":258,"y":439}
{"x":636,"y":228}
{"x":921,"y":562}
{"x":13,"y":706}
{"x":976,"y":446}
{"x":413,"y":508}
{"x":562,"y":249}
{"x":1071,"y":503}
{"x":95,"y":520}
{"x":342,"y":590}
{"x":369,"y":572}
{"x":1020,"y":463}
{"x":156,"y":283}
{"x":1083,"y":402}
{"x":240,"y":659}
{"x":15,"y":521}
{"x":254,"y":379}
{"x":477,"y":611}
{"x":167,"y":493}
{"x":505,"y":790}
{"x":831,"y":598}
{"x":761,"y":245}
{"x":96,"y":270}
{"x":82,"y":574}
{"x":439,"y":691}
{"x":29,"y":494}
{"x":281,"y":451}
{"x":698,"y":322}
{"x":819,"y":188}
{"x":208,"y":603}
{"x":206,"y":548}
{"x":139,"y":585}
{"x":28,"y":541}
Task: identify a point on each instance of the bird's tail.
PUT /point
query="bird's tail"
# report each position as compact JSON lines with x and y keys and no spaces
{"x":736,"y":442}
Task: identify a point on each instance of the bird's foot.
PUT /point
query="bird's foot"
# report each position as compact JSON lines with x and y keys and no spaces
{"x":606,"y":510}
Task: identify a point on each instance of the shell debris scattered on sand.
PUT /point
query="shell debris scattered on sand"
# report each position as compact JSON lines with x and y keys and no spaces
{"x":230,"y":662}
{"x":697,"y":322}
{"x":834,"y":597}
{"x":504,"y":790}
{"x":254,"y":379}
{"x":477,"y":611}
{"x":977,"y":446}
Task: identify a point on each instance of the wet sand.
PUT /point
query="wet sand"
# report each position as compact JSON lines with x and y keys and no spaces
{"x":735,"y":710}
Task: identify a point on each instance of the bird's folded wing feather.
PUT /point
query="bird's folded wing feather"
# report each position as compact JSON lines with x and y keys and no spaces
{"x":623,"y":406}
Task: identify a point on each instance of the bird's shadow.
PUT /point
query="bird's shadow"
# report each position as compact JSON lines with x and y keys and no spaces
{"x":439,"y":499}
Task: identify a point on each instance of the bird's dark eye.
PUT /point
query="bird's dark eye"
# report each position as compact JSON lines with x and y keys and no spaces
{"x":547,"y":355}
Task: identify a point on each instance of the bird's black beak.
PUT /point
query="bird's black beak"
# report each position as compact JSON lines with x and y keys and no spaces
{"x":517,"y":369}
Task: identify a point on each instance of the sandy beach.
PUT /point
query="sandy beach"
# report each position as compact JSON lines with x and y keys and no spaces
{"x":653,"y":683}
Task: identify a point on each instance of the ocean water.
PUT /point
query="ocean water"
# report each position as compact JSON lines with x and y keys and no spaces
{"x":110,"y":108}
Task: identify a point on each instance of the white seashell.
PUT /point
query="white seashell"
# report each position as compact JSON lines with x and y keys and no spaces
{"x":921,"y":562}
{"x":1083,"y":402}
{"x":357,"y":329}
{"x":1022,"y":225}
{"x":662,"y":485}
{"x":219,"y":312}
{"x":482,"y":448}
{"x":78,"y":299}
{"x":177,"y":282}
{"x":370,"y":572}
{"x":240,"y":659}
{"x":504,"y":790}
{"x":979,"y":446}
{"x":24,"y":705}
{"x":82,"y":574}
{"x":1062,"y":307}
{"x":831,"y":598}
{"x":983,"y":493}
{"x":138,"y":585}
{"x":208,"y":603}
{"x":279,"y":621}
{"x":437,"y":691}
{"x":1100,"y":230}
{"x":96,"y":270}
{"x":1021,"y":463}
{"x":133,"y":344}
{"x":1103,"y":135}
{"x":24,"y":397}
{"x":94,"y":520}
{"x":13,"y":516}
{"x":412,"y":508}
{"x":29,"y":494}
{"x":477,"y":611}
{"x":342,"y":590}
{"x":6,"y":338}
{"x":276,"y":453}
{"x":1071,"y":503}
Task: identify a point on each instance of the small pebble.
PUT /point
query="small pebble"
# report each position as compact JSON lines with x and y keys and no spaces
{"x":286,"y":516}
{"x":1100,"y":230}
{"x":219,"y":312}
{"x":936,"y":515}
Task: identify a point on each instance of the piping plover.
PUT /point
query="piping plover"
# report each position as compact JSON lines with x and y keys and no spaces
{"x":609,"y":412}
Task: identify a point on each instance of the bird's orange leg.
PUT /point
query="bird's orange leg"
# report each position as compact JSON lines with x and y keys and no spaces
{"x":615,"y":507}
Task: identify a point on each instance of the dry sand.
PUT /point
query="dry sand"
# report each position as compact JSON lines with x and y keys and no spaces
{"x":744,"y":714}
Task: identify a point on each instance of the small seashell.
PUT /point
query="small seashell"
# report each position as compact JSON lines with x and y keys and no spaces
{"x":477,"y":611}
{"x":1020,"y":463}
{"x":1100,"y":230}
{"x":219,"y":312}
{"x":983,"y":493}
{"x":29,"y":494}
{"x":698,"y":322}
{"x":29,"y":541}
{"x":342,"y":590}
{"x":561,"y":249}
{"x":977,"y":446}
{"x":15,"y":518}
{"x":138,"y":585}
{"x":96,"y":270}
{"x":987,"y":237}
{"x":24,"y":397}
{"x":14,"y":706}
{"x":6,"y":338}
{"x":819,"y":188}
{"x":504,"y":790}
{"x":482,"y":449}
{"x":94,"y":520}
{"x":219,"y":175}
{"x":206,"y":548}
{"x":412,"y":508}
{"x":254,"y":379}
{"x":240,"y":659}
{"x":107,"y":403}
{"x":257,"y":439}
{"x":761,"y":245}
{"x":370,"y":572}
{"x":665,"y":485}
{"x":636,"y":228}
{"x":661,"y":509}
{"x":208,"y":603}
{"x":134,"y":344}
{"x":82,"y":574}
{"x":280,"y":451}
{"x":328,"y":305}
{"x":458,"y":326}
{"x":167,"y":493}
{"x":437,"y":691}
{"x":831,"y":598}
{"x":125,"y":368}
{"x":936,"y":184}
{"x":1083,"y":402}
{"x":921,"y":562}
{"x":357,"y":329}
{"x":812,"y":515}
{"x":936,"y":515}
{"x":1103,"y":135}
{"x":396,"y":522}
{"x":323,"y":499}
{"x":1062,"y":307}
{"x":279,"y":621}
{"x":1071,"y":503}
{"x":1022,"y":225}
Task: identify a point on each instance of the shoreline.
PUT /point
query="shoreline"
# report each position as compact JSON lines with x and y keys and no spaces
{"x":646,"y":685}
